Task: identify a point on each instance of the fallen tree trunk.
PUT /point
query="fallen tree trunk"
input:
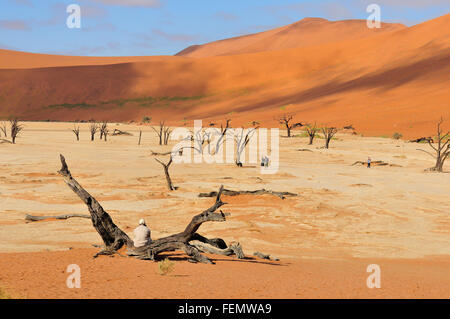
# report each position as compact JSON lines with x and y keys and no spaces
{"x":119,"y":132}
{"x":114,"y":238}
{"x":376,"y":163}
{"x":67,"y":216}
{"x":228,"y":192}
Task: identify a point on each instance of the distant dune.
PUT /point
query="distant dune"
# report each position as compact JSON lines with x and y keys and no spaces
{"x":306,"y":32}
{"x":395,"y":79}
{"x":24,"y":60}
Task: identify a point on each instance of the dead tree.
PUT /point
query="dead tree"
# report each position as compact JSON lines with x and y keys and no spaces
{"x":163,"y":133}
{"x":286,"y":121}
{"x":178,"y":151}
{"x":104,"y":130}
{"x":167,"y":132}
{"x":3,"y":128}
{"x":76,"y":131}
{"x":166,"y":172}
{"x":242,"y":140}
{"x":199,"y":138}
{"x":328,"y":133}
{"x":16,"y":128}
{"x":140,"y":136}
{"x":422,"y":139}
{"x":93,"y":128}
{"x":32,"y":218}
{"x":311,"y":131}
{"x":222,"y":137}
{"x":114,"y":238}
{"x":119,"y":132}
{"x":263,"y":191}
{"x":441,"y":150}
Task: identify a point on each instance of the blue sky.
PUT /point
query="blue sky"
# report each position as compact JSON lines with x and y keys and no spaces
{"x":164,"y":27}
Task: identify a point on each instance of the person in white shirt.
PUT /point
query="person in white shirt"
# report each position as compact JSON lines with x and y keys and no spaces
{"x":142,"y":234}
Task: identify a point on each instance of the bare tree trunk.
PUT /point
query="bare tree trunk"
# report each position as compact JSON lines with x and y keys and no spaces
{"x":93,"y":128}
{"x":16,"y":128}
{"x":166,"y":172}
{"x":76,"y":131}
{"x":241,"y":142}
{"x":140,"y":135}
{"x":161,"y":132}
{"x":223,"y":132}
{"x":167,"y":133}
{"x":288,"y":128}
{"x":4,"y":130}
{"x":114,"y":238}
{"x":67,"y":216}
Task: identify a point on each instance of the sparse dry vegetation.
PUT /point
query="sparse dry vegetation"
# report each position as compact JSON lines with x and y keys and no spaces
{"x":165,"y":267}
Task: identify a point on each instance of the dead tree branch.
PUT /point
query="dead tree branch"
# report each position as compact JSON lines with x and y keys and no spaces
{"x":114,"y":238}
{"x":119,"y":132}
{"x":166,"y":172}
{"x":32,"y":218}
{"x":263,"y":191}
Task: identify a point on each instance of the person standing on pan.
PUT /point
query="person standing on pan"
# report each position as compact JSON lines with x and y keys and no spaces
{"x":369,"y":161}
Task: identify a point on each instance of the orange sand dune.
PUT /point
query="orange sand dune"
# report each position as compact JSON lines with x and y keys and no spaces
{"x":307,"y":32}
{"x":392,"y":81}
{"x":24,"y":60}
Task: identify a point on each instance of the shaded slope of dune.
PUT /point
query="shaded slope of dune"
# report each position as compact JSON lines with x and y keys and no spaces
{"x":393,"y":81}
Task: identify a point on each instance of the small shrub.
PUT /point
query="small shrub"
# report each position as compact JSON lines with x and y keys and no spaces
{"x":397,"y":136}
{"x":165,"y":266}
{"x":4,"y":294}
{"x":146,"y":119}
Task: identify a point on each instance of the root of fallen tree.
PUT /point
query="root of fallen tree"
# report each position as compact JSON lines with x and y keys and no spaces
{"x":67,"y":216}
{"x":189,"y":241}
{"x":228,"y":192}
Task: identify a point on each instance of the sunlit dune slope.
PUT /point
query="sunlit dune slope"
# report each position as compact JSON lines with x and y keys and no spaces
{"x":392,"y":81}
{"x":306,"y":32}
{"x":24,"y":60}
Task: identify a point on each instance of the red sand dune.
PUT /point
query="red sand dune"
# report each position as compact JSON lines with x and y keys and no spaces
{"x":393,"y":80}
{"x":306,"y":32}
